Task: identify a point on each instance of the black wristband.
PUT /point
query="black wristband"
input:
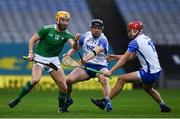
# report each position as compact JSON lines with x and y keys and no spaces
{"x":94,"y":52}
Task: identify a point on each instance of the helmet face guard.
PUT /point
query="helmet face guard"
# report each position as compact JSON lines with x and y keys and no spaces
{"x":134,"y":28}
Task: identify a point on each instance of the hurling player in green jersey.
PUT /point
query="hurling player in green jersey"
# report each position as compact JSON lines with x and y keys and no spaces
{"x":50,"y":40}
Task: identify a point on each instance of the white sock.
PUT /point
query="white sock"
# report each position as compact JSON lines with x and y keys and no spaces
{"x":162,"y":103}
{"x":107,"y":98}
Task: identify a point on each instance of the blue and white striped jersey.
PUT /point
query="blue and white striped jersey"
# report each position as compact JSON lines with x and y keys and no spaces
{"x":88,"y":43}
{"x":146,"y":53}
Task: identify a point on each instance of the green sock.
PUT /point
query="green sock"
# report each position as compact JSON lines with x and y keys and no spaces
{"x":61,"y":99}
{"x":27,"y":88}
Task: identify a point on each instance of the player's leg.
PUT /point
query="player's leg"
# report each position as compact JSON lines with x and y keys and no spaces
{"x":104,"y":81}
{"x":152,"y":92}
{"x":156,"y":96}
{"x":59,"y":79}
{"x":148,"y":79}
{"x":122,"y":79}
{"x":76,"y":75}
{"x":36,"y":75}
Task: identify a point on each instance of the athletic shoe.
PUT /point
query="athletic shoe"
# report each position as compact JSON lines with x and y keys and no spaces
{"x":68,"y":102}
{"x":99,"y":103}
{"x":60,"y":110}
{"x":108,"y":105}
{"x":165,"y":108}
{"x":13,"y":103}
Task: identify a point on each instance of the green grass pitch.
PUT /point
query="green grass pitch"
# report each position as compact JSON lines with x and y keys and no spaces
{"x":133,"y":104}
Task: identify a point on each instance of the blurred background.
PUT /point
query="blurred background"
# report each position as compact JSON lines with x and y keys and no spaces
{"x":20,"y":19}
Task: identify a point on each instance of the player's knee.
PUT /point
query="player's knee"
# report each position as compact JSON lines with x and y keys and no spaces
{"x":104,"y":82}
{"x":147,"y":90}
{"x":64,"y":88}
{"x":68,"y":81}
{"x":122,"y":79}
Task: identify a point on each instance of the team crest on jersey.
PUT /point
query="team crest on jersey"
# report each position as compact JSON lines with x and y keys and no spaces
{"x":89,"y":47}
{"x":49,"y":34}
{"x":58,"y":37}
{"x":90,"y":44}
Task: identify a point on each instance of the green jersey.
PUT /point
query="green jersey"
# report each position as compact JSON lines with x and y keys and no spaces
{"x":51,"y":41}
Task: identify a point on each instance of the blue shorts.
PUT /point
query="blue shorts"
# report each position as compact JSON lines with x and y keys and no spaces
{"x":148,"y":77}
{"x":93,"y":66}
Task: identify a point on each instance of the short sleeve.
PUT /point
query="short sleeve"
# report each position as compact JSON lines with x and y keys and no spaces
{"x":102,"y":43}
{"x":42,"y":31}
{"x":69,"y":35}
{"x":133,"y":46}
{"x":81,"y":40}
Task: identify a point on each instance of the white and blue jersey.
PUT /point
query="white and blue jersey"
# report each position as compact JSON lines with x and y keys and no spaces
{"x":88,"y":43}
{"x":147,"y":55}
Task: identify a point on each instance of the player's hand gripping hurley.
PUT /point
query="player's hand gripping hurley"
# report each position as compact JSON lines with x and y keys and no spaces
{"x":68,"y":61}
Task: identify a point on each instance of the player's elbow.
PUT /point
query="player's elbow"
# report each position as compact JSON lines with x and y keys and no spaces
{"x":68,"y":82}
{"x":122,"y":62}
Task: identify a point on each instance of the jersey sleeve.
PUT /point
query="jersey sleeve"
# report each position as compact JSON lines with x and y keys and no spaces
{"x":69,"y":35}
{"x":133,"y":46}
{"x":102,"y":43}
{"x":42,"y":31}
{"x":81,"y":40}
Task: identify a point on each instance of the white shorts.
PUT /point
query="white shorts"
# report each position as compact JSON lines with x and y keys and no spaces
{"x":54,"y":60}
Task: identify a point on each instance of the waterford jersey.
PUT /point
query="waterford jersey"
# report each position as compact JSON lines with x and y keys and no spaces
{"x":146,"y":53}
{"x":88,"y":43}
{"x":51,"y":41}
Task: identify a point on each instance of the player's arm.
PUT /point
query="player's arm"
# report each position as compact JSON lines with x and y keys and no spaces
{"x":133,"y":55}
{"x":74,"y":45}
{"x":71,"y":52}
{"x":92,"y":54}
{"x":121,"y":61}
{"x":74,"y":42}
{"x":32,"y":42}
{"x":129,"y":54}
{"x":102,"y":44}
{"x":111,"y":57}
